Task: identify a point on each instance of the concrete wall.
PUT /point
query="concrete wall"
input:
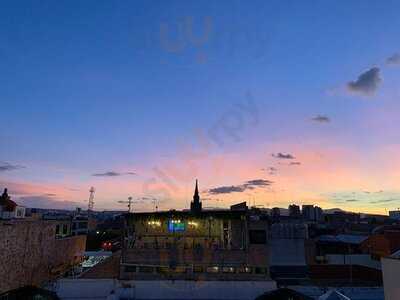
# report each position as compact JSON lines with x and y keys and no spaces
{"x":391,"y":275}
{"x":31,"y":255}
{"x":287,"y":252}
{"x":353,"y":259}
{"x":70,"y":289}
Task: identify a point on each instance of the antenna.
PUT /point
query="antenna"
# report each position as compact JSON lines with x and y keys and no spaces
{"x":129,"y":202}
{"x":155,"y":203}
{"x":91,"y":199}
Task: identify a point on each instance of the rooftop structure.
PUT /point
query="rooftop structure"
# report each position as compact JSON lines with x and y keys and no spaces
{"x":9,"y":209}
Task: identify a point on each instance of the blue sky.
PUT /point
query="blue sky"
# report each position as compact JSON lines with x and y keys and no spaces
{"x":98,"y":86}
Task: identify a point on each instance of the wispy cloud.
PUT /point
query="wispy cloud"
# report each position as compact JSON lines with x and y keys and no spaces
{"x":367,"y":83}
{"x":4,"y":166}
{"x":321,"y":119}
{"x":248,"y":185}
{"x":384,"y":201}
{"x":295,"y":163}
{"x":44,"y":201}
{"x":280,"y":155}
{"x":394,"y":59}
{"x":112,"y":174}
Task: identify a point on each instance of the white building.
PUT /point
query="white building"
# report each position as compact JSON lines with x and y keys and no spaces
{"x":9,"y":209}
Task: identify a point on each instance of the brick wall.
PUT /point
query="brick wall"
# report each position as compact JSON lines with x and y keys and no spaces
{"x":31,"y":255}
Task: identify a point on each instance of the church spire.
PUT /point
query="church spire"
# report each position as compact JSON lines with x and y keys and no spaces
{"x":195,"y":205}
{"x":196,"y":192}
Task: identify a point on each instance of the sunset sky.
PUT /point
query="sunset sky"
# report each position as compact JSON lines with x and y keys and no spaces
{"x":270,"y":102}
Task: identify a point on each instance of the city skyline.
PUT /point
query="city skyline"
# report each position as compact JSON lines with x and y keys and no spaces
{"x":274,"y":103}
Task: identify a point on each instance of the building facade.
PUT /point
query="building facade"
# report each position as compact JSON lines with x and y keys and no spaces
{"x":195,"y":243}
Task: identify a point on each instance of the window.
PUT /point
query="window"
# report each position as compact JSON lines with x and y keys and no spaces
{"x":163,"y":270}
{"x":244,"y":270}
{"x":212,"y":269}
{"x":228,"y":269}
{"x":179,"y":270}
{"x":257,"y":236}
{"x":260,"y":270}
{"x":145,"y":269}
{"x":198,"y":269}
{"x":82,"y":225}
{"x":130,"y":269}
{"x":57,"y":229}
{"x":65,"y":229}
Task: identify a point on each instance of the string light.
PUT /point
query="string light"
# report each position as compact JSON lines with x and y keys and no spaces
{"x":154,"y":223}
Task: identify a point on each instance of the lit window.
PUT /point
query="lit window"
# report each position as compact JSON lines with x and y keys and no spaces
{"x":244,"y":270}
{"x":228,"y":269}
{"x":212,"y":269}
{"x":154,"y":223}
{"x":198,"y":269}
{"x":193,"y":224}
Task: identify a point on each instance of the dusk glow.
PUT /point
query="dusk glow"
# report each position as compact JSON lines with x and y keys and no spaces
{"x":272,"y":103}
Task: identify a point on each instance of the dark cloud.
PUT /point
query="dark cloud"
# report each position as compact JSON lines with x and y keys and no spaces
{"x":394,"y":59}
{"x":107,"y":174}
{"x":321,"y":119}
{"x":248,"y":185}
{"x":295,"y":163}
{"x":283,"y":156}
{"x":258,"y":182}
{"x":4,"y":166}
{"x":351,"y":200}
{"x":112,"y":174}
{"x":272,"y":170}
{"x":384,"y":201}
{"x":367,"y":83}
{"x":227,"y":189}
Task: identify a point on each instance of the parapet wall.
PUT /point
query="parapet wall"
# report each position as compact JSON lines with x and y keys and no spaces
{"x":31,"y":255}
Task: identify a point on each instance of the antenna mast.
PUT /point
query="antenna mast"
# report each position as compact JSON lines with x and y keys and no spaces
{"x":91,"y":199}
{"x":129,"y":202}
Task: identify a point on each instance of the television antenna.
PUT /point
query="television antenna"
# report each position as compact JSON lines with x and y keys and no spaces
{"x":130,"y":201}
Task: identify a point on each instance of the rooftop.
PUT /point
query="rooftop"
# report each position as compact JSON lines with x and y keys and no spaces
{"x":343,"y":238}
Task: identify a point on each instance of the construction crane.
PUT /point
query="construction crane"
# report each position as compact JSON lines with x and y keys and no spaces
{"x":91,"y":199}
